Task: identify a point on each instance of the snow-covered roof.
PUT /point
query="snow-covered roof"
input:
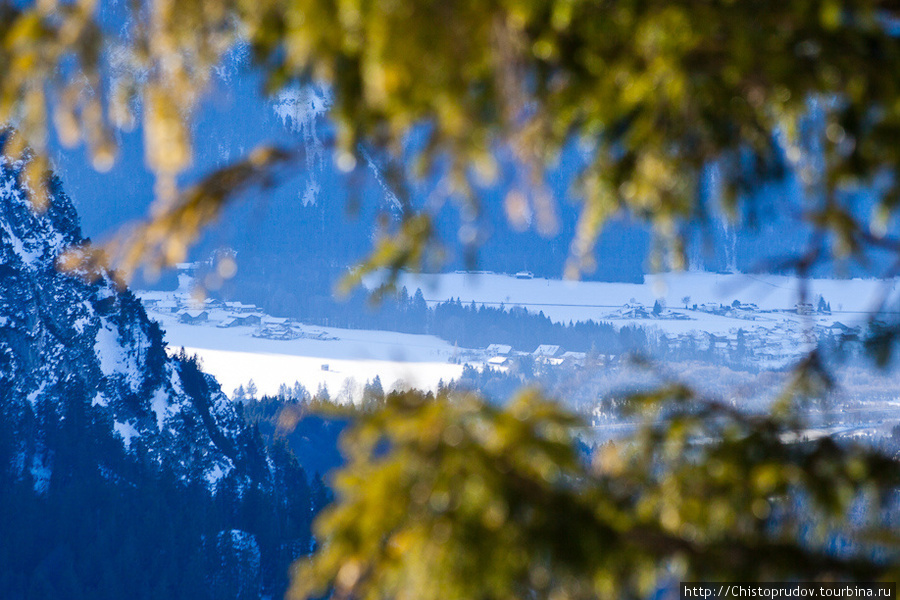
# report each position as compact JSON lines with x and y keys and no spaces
{"x":499,"y":349}
{"x":240,"y":306}
{"x":546,"y":350}
{"x":274,"y":320}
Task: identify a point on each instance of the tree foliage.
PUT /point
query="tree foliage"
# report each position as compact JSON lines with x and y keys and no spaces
{"x":449,"y":497}
{"x":653,"y":93}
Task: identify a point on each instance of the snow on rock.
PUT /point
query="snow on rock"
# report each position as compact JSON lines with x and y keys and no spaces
{"x":161,"y":407}
{"x":69,"y":343}
{"x":215,"y":474}
{"x":299,"y":107}
{"x":36,"y":394}
{"x":126,"y":431}
{"x":110,"y":353}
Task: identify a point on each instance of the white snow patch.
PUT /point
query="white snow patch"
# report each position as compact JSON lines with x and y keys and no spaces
{"x":27,"y":255}
{"x":126,"y":431}
{"x":34,"y":395}
{"x":321,"y":355}
{"x":100,"y":400}
{"x":114,"y":358}
{"x":269,"y":371}
{"x":105,"y":292}
{"x":84,"y":319}
{"x":108,"y":349}
{"x":216,"y":473}
{"x":389,"y":194}
{"x":80,"y":324}
{"x":161,"y":407}
{"x":299,"y":107}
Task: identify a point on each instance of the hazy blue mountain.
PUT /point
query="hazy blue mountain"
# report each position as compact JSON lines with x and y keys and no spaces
{"x":318,"y":220}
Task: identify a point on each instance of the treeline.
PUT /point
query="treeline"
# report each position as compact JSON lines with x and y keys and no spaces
{"x":468,"y":325}
{"x":301,"y":423}
{"x":473,"y":326}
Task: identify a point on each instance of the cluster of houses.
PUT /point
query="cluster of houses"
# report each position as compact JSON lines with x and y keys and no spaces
{"x":636,"y":310}
{"x":230,"y":314}
{"x":736,"y":310}
{"x":778,"y":344}
{"x":500,"y":356}
{"x":781,"y":342}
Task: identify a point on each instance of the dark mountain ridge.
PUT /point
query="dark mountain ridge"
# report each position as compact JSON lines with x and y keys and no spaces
{"x":123,"y":471}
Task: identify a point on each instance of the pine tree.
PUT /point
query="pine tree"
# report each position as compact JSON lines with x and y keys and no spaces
{"x":322,"y":394}
{"x":373,"y":393}
{"x":299,"y":393}
{"x":239,"y":394}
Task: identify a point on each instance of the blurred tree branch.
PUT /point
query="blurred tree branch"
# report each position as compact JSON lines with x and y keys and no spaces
{"x":450,"y":497}
{"x":657,"y":91}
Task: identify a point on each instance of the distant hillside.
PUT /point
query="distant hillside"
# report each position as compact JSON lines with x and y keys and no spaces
{"x":295,"y":240}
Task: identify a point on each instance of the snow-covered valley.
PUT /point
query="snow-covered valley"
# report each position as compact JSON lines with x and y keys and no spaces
{"x":239,"y":342}
{"x":341,"y":359}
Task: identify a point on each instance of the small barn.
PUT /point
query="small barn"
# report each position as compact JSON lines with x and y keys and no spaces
{"x":240,"y":321}
{"x":193,"y":317}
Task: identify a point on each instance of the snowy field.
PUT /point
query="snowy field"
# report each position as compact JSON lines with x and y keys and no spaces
{"x":235,"y":357}
{"x":345,"y":359}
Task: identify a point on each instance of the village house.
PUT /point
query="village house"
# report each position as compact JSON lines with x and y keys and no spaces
{"x":501,"y":362}
{"x":276,"y":331}
{"x":239,"y":307}
{"x":193,"y":317}
{"x":240,"y":321}
{"x":573,"y":359}
{"x":548,"y":354}
{"x":498,"y":350}
{"x":804,"y":308}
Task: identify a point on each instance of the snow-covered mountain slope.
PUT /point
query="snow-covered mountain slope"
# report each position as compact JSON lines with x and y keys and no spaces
{"x":65,"y":341}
